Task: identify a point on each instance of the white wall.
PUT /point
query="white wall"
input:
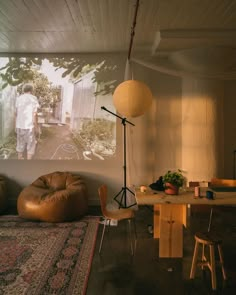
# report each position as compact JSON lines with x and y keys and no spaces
{"x":191,"y":126}
{"x":154,"y":150}
{"x":229,"y":127}
{"x":156,"y":138}
{"x":20,"y":173}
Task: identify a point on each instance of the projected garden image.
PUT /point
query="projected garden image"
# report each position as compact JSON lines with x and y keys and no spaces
{"x":69,"y":93}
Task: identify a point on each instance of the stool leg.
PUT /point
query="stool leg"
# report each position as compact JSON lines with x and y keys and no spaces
{"x":213,"y":267}
{"x":194,"y":262}
{"x":130,"y":237}
{"x":135,"y":234}
{"x":203,"y":255}
{"x":222,"y":261}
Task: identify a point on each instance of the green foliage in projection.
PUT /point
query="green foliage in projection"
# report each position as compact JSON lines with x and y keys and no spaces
{"x":19,"y":70}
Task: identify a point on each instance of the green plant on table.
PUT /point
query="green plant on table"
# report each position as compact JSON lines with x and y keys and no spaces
{"x":175,"y":178}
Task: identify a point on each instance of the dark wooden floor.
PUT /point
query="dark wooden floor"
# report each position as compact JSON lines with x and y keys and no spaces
{"x":115,"y":271}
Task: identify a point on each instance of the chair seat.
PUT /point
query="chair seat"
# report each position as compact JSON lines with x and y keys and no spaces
{"x":208,"y":238}
{"x":120,"y":214}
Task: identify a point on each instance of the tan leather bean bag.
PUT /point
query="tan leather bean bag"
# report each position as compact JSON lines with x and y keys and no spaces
{"x":55,"y":197}
{"x":3,"y":195}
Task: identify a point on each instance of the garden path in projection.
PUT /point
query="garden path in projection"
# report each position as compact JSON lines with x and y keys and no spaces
{"x":56,"y":143}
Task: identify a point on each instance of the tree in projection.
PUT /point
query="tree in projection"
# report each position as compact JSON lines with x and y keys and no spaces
{"x":20,"y":69}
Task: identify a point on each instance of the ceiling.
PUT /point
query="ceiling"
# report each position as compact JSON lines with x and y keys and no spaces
{"x":175,"y":35}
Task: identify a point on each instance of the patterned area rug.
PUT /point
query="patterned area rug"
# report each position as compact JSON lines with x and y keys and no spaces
{"x":46,"y":258}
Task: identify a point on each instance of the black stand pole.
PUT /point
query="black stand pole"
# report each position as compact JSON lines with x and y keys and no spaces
{"x":121,"y":197}
{"x":234,"y":176}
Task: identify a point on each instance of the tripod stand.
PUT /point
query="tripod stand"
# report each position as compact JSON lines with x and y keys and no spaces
{"x":121,"y":197}
{"x":234,"y":172}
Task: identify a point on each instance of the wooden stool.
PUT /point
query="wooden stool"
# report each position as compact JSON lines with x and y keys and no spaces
{"x":207,"y":239}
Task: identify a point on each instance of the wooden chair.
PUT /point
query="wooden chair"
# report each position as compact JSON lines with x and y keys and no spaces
{"x":212,"y":240}
{"x":117,"y":214}
{"x":220,"y":182}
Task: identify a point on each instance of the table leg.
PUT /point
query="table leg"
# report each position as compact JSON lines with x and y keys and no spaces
{"x":156,"y":222}
{"x":171,"y":230}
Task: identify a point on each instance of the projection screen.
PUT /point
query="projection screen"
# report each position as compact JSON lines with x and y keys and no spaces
{"x":70,"y":92}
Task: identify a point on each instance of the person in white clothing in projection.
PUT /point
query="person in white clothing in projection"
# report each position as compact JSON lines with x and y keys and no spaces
{"x":26,"y":122}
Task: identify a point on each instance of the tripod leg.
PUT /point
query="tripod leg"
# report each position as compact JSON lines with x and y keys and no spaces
{"x":118,"y":194}
{"x":130,"y":191}
{"x":123,"y":200}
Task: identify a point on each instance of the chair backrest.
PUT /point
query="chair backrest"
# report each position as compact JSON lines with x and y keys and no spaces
{"x":102,"y":192}
{"x":223,"y":182}
{"x":199,"y":183}
{"x":193,"y":183}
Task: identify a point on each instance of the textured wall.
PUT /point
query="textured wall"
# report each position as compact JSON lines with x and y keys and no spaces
{"x":191,"y":125}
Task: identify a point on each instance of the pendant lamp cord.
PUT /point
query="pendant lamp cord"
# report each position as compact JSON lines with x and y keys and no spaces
{"x":133,"y":29}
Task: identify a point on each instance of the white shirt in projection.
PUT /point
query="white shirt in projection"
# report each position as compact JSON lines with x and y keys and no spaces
{"x":26,"y":106}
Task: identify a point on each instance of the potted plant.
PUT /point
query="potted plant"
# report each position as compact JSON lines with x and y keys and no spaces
{"x":173,"y":180}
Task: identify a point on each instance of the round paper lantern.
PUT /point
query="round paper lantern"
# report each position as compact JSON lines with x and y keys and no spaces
{"x":132,"y":98}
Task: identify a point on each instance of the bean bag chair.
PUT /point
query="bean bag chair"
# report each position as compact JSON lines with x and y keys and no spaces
{"x":3,"y":195}
{"x":54,"y":197}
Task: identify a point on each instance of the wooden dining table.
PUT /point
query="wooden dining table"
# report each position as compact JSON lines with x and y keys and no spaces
{"x":170,"y":214}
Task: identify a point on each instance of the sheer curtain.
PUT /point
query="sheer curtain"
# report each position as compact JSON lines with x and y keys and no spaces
{"x":202,"y":128}
{"x":183,"y":129}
